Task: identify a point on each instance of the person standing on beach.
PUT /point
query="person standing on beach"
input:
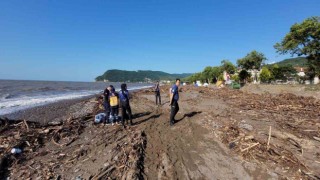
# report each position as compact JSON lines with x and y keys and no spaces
{"x":174,"y":98}
{"x":125,"y":105}
{"x":106,"y":105}
{"x":114,"y":104}
{"x":157,"y":93}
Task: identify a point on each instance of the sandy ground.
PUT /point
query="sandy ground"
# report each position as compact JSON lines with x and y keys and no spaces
{"x":299,"y":90}
{"x":219,"y":134}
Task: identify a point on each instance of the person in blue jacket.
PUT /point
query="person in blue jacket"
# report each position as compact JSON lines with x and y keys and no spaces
{"x":106,"y":104}
{"x":125,"y":105}
{"x":174,"y":98}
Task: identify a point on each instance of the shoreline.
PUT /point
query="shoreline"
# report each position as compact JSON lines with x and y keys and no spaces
{"x":56,"y":111}
{"x":48,"y":112}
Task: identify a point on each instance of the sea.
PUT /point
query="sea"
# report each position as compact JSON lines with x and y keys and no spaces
{"x":17,"y":95}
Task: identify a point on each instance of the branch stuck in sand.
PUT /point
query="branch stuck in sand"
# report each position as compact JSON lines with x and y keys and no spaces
{"x":269,"y":138}
{"x":248,"y":148}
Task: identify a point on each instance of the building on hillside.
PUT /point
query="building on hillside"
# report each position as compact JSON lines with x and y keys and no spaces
{"x":147,"y":80}
{"x":165,"y":82}
{"x":301,"y":71}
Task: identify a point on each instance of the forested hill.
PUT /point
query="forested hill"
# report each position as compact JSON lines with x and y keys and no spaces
{"x":137,"y":76}
{"x":298,"y":61}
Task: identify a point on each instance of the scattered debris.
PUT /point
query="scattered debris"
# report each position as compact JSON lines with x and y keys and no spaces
{"x":32,"y":150}
{"x":247,"y":127}
{"x":293,"y":117}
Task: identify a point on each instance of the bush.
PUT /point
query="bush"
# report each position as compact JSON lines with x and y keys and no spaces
{"x":235,"y":78}
{"x":265,"y":75}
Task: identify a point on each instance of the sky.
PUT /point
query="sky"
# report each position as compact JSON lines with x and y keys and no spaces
{"x":75,"y":40}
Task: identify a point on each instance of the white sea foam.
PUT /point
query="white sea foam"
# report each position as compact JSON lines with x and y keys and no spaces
{"x":12,"y":105}
{"x":8,"y":106}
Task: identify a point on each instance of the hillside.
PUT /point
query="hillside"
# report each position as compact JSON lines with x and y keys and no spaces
{"x":298,"y":61}
{"x":137,"y":76}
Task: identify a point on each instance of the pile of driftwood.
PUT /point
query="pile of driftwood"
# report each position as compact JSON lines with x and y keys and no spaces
{"x":32,"y":150}
{"x":129,"y":161}
{"x":290,"y":120}
{"x":263,"y":151}
{"x":28,"y":137}
{"x":297,"y":114}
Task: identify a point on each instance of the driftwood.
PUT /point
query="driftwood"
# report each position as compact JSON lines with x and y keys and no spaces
{"x":29,"y":136}
{"x":288,"y":113}
{"x":269,"y":138}
{"x":296,"y":144}
{"x":103,"y":173}
{"x":316,"y":138}
{"x":27,"y":126}
{"x":248,"y":148}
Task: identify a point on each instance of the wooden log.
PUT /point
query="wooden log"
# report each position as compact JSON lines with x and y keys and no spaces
{"x":54,"y":142}
{"x":27,"y":126}
{"x":252,"y":146}
{"x":268,"y":145}
{"x":54,"y":123}
{"x":104,"y":173}
{"x":316,"y":138}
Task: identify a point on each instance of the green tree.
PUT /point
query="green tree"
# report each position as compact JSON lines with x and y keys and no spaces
{"x":265,"y":75}
{"x":303,"y":39}
{"x":282,"y":72}
{"x":253,"y":60}
{"x":275,"y":71}
{"x":227,"y":66}
{"x":207,"y":74}
{"x":244,"y":75}
{"x":197,"y":77}
{"x":216,"y":71}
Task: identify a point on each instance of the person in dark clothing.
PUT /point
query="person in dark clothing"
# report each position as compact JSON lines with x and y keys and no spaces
{"x":106,"y":105}
{"x":114,"y":105}
{"x":174,"y":98}
{"x":215,"y":80}
{"x":125,"y":105}
{"x":157,"y":93}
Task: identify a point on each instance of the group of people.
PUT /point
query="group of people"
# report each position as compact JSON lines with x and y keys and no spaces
{"x":113,"y":101}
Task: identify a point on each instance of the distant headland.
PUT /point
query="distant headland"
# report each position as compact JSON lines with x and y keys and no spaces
{"x":116,"y":75}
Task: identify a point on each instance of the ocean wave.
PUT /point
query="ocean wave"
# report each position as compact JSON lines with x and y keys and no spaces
{"x":6,"y":96}
{"x":44,"y":89}
{"x":13,"y":105}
